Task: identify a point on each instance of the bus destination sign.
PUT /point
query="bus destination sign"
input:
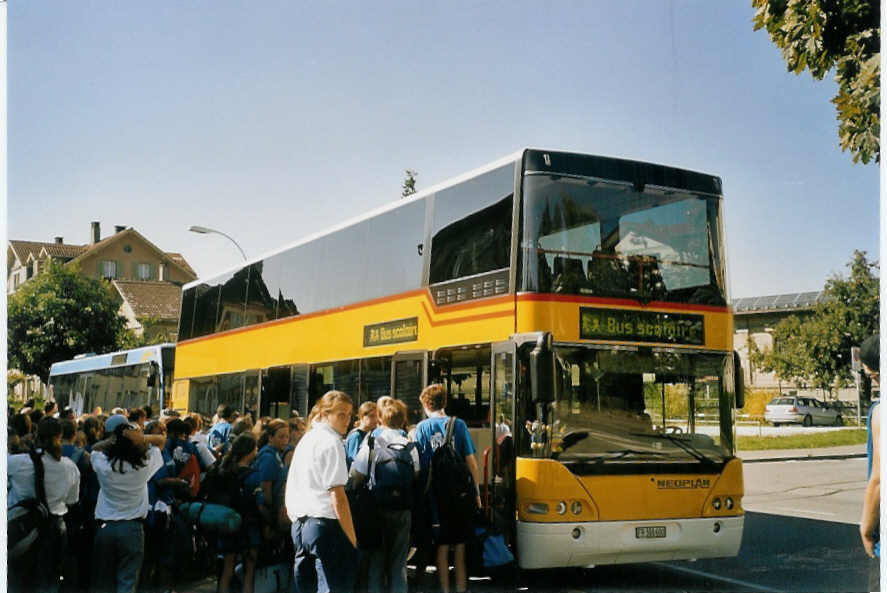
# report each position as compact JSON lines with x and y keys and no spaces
{"x":391,"y":332}
{"x":641,"y":326}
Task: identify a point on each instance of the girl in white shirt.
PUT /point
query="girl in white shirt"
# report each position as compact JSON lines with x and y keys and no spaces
{"x":39,"y":568}
{"x":123,"y":464}
{"x":322,"y":531}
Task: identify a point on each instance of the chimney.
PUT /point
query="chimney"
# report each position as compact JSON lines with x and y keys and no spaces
{"x":59,"y":240}
{"x":96,"y":232}
{"x":118,"y":228}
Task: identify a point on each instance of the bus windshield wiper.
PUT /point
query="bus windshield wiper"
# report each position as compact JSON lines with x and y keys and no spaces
{"x":681,"y":443}
{"x":571,"y":438}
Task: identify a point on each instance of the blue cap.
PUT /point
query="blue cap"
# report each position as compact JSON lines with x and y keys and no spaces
{"x":114,"y":421}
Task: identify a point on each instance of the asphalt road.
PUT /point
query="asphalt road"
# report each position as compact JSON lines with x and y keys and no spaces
{"x":829,"y":490}
{"x":778,"y":553}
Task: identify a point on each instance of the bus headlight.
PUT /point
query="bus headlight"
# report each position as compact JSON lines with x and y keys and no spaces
{"x":716,"y":503}
{"x":729,"y":503}
{"x":537,"y":508}
{"x":576,"y":507}
{"x":562,"y":508}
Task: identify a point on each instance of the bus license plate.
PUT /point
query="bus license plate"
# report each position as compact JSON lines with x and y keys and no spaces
{"x":649,"y":532}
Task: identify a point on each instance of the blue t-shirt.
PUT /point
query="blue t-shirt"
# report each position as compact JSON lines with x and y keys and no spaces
{"x":352,"y":445}
{"x":219,"y":434}
{"x":167,"y":470}
{"x":268,"y":467}
{"x":430,"y":434}
{"x":70,"y":451}
{"x":869,"y":448}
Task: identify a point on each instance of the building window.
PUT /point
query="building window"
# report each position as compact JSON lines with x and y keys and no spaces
{"x":144,"y":271}
{"x":30,"y":270}
{"x":109,"y":270}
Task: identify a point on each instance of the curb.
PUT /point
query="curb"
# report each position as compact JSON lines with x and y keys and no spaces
{"x":806,"y":458}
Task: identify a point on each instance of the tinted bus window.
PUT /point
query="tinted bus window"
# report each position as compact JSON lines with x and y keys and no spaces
{"x":260,"y":306}
{"x":186,"y":317}
{"x":471,"y":229}
{"x":232,"y":300}
{"x":371,"y":259}
{"x":474,"y":245}
{"x":375,"y":378}
{"x":206,"y":309}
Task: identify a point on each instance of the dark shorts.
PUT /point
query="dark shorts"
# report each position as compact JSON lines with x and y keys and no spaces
{"x":453,"y":530}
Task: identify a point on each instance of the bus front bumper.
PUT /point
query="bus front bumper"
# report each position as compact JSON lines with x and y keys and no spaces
{"x":548,"y":545}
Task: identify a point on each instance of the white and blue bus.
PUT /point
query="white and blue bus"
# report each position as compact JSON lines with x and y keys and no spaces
{"x":125,"y":379}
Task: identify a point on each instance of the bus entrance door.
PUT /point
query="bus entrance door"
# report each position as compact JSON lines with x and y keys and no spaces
{"x":409,"y":375}
{"x":498,"y":463}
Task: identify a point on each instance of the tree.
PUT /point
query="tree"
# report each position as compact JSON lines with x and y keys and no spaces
{"x":818,"y":35}
{"x":153,"y":333}
{"x":409,"y":183}
{"x":59,"y":314}
{"x":816,"y":350}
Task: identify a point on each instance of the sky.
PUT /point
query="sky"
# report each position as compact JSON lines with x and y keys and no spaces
{"x":274,"y":120}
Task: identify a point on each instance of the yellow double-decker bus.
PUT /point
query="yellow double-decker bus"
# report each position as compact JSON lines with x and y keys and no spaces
{"x":575,"y":307}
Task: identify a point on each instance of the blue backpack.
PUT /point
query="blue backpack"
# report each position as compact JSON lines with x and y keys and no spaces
{"x":393,"y":479}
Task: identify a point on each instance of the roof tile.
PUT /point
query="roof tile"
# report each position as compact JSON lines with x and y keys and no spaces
{"x":63,"y":250}
{"x":160,"y":300}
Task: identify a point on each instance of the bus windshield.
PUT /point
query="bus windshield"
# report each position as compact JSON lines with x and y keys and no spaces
{"x":597,"y":238}
{"x":625,"y":406}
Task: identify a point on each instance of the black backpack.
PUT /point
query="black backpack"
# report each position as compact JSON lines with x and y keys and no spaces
{"x":452,"y":484}
{"x":364,"y":514}
{"x":393,"y":477}
{"x":28,"y":520}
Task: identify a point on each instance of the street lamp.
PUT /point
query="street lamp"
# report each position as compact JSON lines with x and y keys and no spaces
{"x":205,"y":231}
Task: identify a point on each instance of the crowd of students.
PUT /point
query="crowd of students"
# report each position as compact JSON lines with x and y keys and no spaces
{"x":114,"y":484}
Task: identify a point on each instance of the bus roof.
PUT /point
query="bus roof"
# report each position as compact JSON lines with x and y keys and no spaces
{"x":516,"y":156}
{"x":110,"y":360}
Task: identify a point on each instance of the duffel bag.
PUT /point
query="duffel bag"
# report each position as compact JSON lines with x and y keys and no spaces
{"x":214,"y":518}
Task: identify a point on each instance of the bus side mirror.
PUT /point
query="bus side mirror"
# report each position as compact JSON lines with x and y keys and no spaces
{"x":542,"y":370}
{"x":739,"y":377}
{"x":152,"y":379}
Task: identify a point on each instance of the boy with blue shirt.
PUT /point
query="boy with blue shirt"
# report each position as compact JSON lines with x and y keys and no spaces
{"x":219,"y":436}
{"x":431,"y":434}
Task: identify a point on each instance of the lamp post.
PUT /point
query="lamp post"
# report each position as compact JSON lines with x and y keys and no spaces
{"x":205,"y":231}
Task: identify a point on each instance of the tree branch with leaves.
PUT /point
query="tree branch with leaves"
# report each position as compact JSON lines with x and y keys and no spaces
{"x":59,"y":314}
{"x":844,"y":35}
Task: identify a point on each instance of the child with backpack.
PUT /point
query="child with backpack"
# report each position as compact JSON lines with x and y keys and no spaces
{"x":447,"y":452}
{"x":367,"y":420}
{"x":391,"y":463}
{"x":228,"y":484}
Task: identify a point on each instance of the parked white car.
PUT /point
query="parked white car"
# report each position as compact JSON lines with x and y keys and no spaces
{"x":801,"y":410}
